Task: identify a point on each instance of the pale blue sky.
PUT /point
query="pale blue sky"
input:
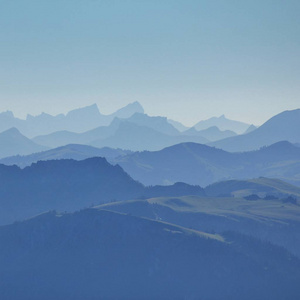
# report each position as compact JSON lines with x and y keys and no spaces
{"x":185,"y":59}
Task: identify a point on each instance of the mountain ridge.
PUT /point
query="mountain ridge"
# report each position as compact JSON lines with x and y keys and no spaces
{"x":282,"y":126}
{"x":13,"y":143}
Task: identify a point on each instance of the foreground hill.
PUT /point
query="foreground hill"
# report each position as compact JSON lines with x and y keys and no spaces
{"x":71,"y":151}
{"x":68,"y":185}
{"x":276,"y":221}
{"x":13,"y":142}
{"x":282,"y":127}
{"x":200,"y":164}
{"x":96,"y":253}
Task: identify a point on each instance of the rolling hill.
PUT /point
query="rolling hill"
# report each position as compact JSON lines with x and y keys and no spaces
{"x":95,"y":252}
{"x":263,"y":187}
{"x":272,"y":220}
{"x":68,"y":185}
{"x":200,"y":164}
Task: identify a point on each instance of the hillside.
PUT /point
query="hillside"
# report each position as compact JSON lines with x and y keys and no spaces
{"x":200,"y":164}
{"x":260,"y":186}
{"x":276,"y":221}
{"x":68,"y":185}
{"x":97,"y":251}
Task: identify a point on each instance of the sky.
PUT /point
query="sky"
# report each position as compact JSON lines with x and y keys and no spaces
{"x":188,"y":60}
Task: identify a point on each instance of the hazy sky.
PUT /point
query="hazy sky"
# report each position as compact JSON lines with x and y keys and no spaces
{"x":185,"y":59}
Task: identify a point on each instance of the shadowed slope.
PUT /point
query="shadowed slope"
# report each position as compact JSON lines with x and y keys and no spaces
{"x":275,"y":220}
{"x":200,"y":164}
{"x":94,"y":254}
{"x":70,"y":185}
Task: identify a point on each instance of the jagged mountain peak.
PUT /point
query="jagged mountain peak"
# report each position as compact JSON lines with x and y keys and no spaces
{"x":90,"y":110}
{"x":223,"y":123}
{"x":128,"y":110}
{"x":7,"y":113}
{"x":10,"y":131}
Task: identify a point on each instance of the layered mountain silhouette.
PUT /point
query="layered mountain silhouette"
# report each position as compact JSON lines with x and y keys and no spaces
{"x":140,"y":132}
{"x":62,"y":138}
{"x":13,"y":142}
{"x":69,"y":185}
{"x":88,"y":126}
{"x":95,"y":253}
{"x":212,"y":133}
{"x":159,"y":124}
{"x":138,"y":225}
{"x":138,"y":138}
{"x":200,"y":164}
{"x":223,"y":124}
{"x":250,"y":128}
{"x":187,"y":162}
{"x":179,"y":126}
{"x":77,"y":120}
{"x":71,"y":151}
{"x":127,"y":111}
{"x":282,"y":127}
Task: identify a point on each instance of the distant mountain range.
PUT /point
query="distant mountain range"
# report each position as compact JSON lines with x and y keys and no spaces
{"x":223,"y":124}
{"x":139,"y":138}
{"x":200,"y":164}
{"x":69,"y":185}
{"x":13,"y":142}
{"x":212,"y":133}
{"x":71,"y":151}
{"x":95,"y":253}
{"x":78,"y":120}
{"x":140,"y":132}
{"x":160,"y":124}
{"x":137,"y":131}
{"x":191,"y":214}
{"x":186,"y":162}
{"x":282,"y":127}
{"x":179,"y":126}
{"x":250,"y":128}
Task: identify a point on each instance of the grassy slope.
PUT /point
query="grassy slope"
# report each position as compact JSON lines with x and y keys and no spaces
{"x":270,"y":220}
